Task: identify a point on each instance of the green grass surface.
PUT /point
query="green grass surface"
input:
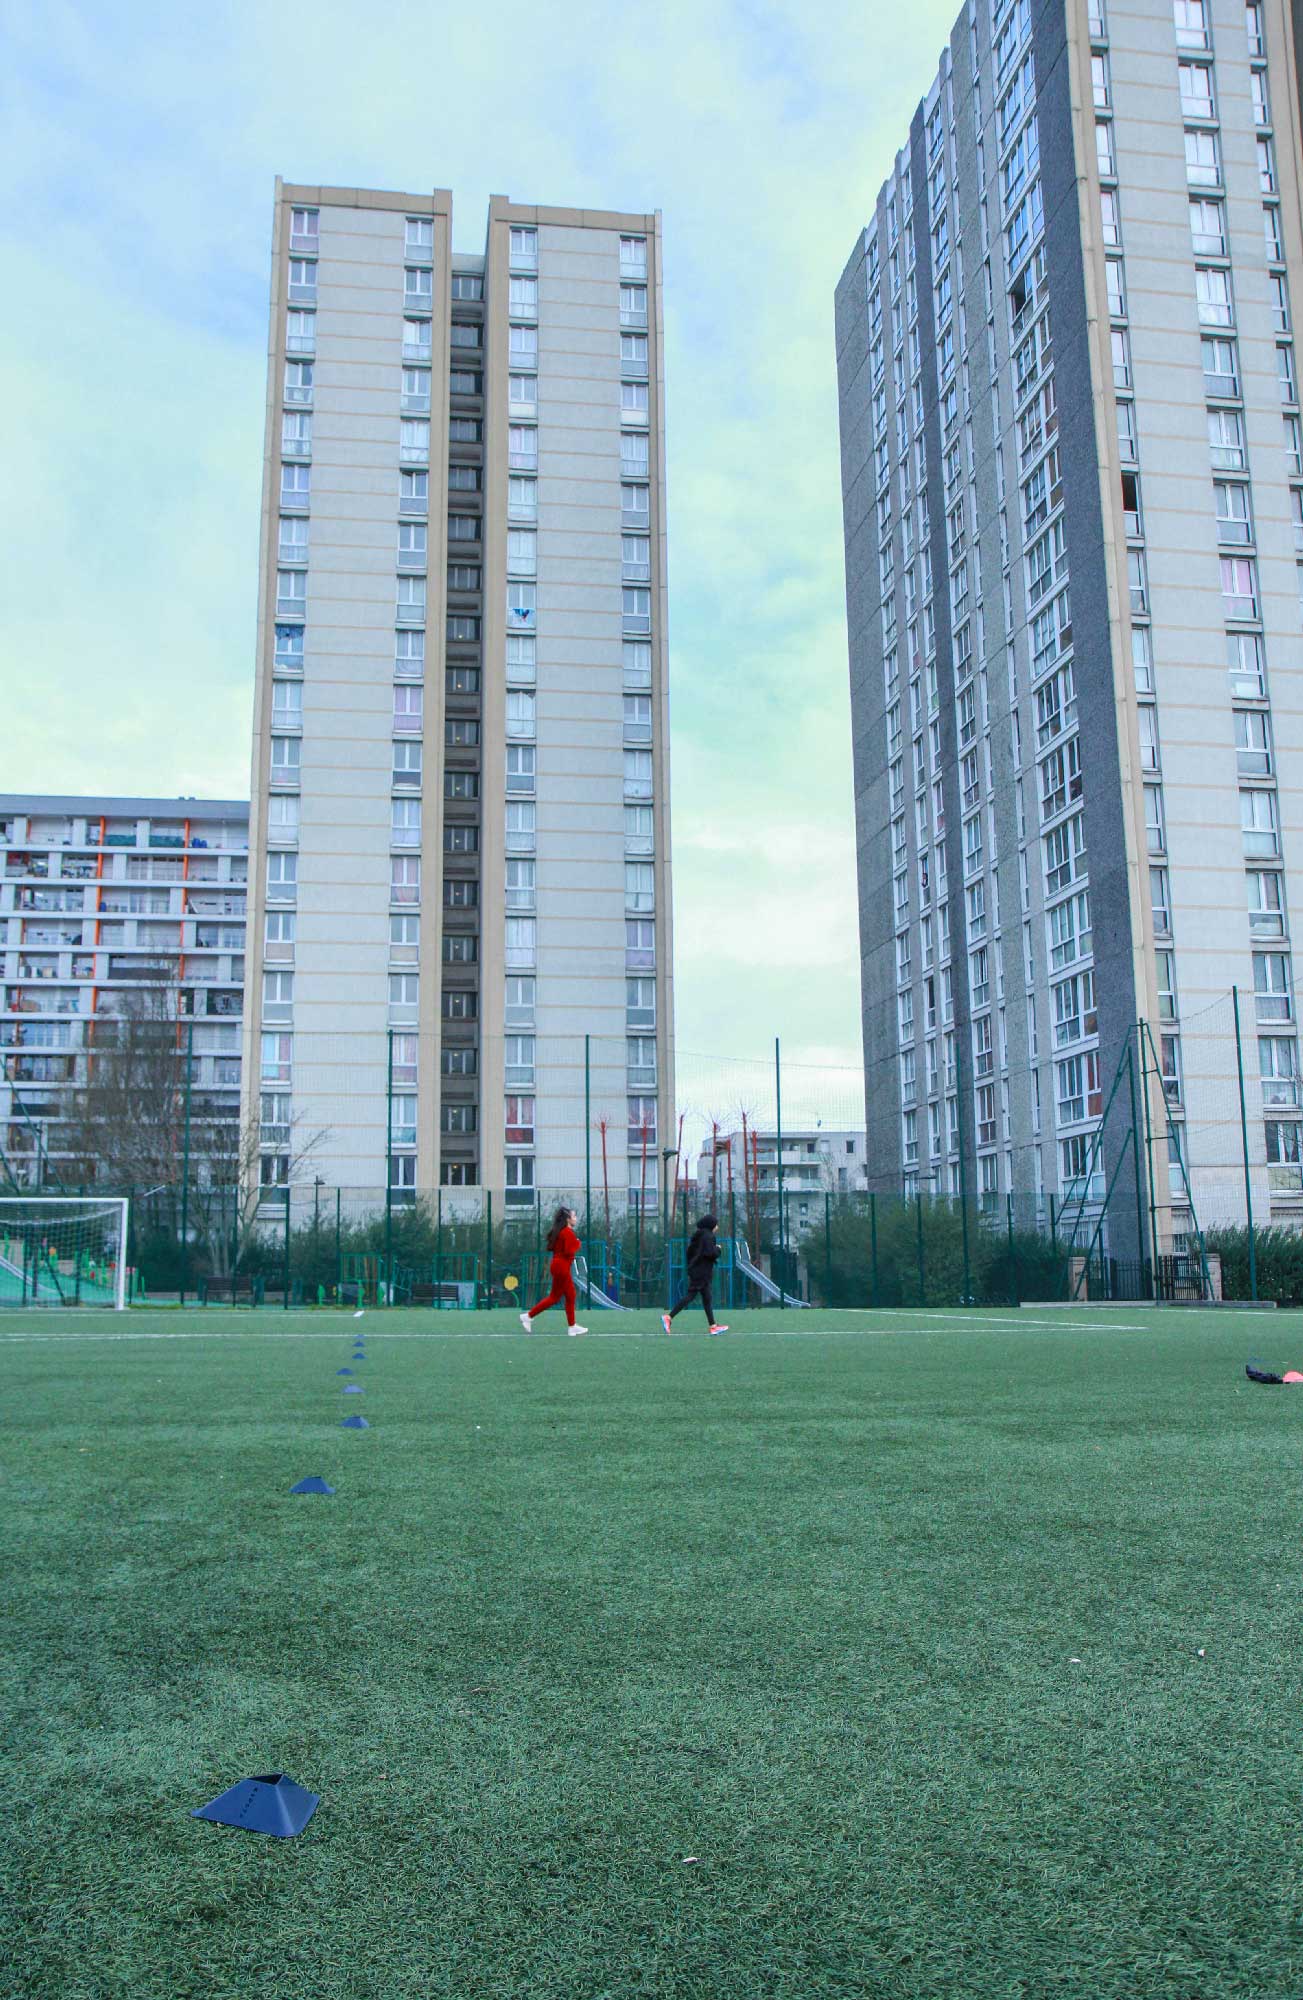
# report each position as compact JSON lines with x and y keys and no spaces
{"x":961,"y":1652}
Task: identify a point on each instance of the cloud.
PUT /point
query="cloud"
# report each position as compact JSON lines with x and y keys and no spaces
{"x":140,"y":166}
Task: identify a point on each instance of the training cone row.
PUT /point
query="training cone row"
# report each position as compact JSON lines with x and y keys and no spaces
{"x":274,"y":1803}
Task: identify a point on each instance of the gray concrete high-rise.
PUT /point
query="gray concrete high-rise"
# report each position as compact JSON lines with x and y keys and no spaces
{"x":460,"y":802}
{"x":1073,"y":498}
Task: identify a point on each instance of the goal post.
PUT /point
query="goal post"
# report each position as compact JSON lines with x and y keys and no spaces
{"x":63,"y":1250}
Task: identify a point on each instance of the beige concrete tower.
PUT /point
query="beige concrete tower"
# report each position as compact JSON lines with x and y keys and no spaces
{"x":460,"y":827}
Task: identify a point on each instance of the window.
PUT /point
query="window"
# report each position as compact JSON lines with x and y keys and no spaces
{"x":634,"y":455}
{"x":1278,"y":1068}
{"x":411,"y":600}
{"x":461,"y":840}
{"x":460,"y":948}
{"x":286,"y":705}
{"x":1207,"y":227}
{"x":413,"y":541}
{"x":1191,"y":24}
{"x":1109,"y":218}
{"x":637,"y":774}
{"x":1220,"y":370}
{"x":640,"y":1003}
{"x":633,"y":399}
{"x":639,"y":945}
{"x":639,"y":887}
{"x":467,"y":382}
{"x":303,"y":281}
{"x":1258,"y":825}
{"x":409,"y":655}
{"x":418,"y":286}
{"x":1142,"y":659}
{"x":416,"y":390}
{"x":405,"y":819}
{"x":419,"y":234}
{"x":1104,"y":149}
{"x":1266,"y":167}
{"x":519,"y":1002}
{"x":282,"y":877}
{"x":1258,"y":96}
{"x":520,"y":767}
{"x":462,"y":627}
{"x":520,"y":714}
{"x":1266,"y":911}
{"x":636,"y":609}
{"x":1273,"y":986}
{"x":522,"y":551}
{"x":633,"y":305}
{"x":1160,"y":902}
{"x":283,"y":817}
{"x":520,"y":1121}
{"x":1155,"y":824}
{"x":1226,"y":440}
{"x":458,"y":1119}
{"x":1231,"y":506}
{"x":1252,"y":743}
{"x":459,"y":1005}
{"x":404,"y":878}
{"x":409,"y":705}
{"x":522,"y":497}
{"x":413,"y":492}
{"x":521,"y":656}
{"x":522,"y":448}
{"x":414,"y":441}
{"x":1212,"y":286}
{"x":633,"y":256}
{"x":639,"y":830}
{"x":1284,"y":1156}
{"x":522,"y":605}
{"x":1239,"y":587}
{"x":275,"y":1055}
{"x":286,"y":756}
{"x":305,"y":224}
{"x":1247,"y":663}
{"x":523,"y":245}
{"x":407,"y":765}
{"x":1202,"y":166}
{"x":404,"y":992}
{"x":1196,"y":80}
{"x":520,"y":884}
{"x":522,"y":296}
{"x":462,"y":786}
{"x":416,"y":340}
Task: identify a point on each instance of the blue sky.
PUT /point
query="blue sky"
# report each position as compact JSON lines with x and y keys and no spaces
{"x":140,"y":149}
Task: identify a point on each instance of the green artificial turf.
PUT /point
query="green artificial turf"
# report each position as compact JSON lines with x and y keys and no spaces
{"x":960,"y":1652}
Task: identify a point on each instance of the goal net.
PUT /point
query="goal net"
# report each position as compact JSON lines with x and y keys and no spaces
{"x":62,"y":1251}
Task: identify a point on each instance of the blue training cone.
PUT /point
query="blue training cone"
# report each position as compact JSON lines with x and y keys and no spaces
{"x":355,"y":1424}
{"x":313,"y":1485}
{"x":271,"y":1804}
{"x":354,"y":1389}
{"x":343,"y":1371}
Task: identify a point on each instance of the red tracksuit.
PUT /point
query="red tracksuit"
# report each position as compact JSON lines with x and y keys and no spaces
{"x":563,"y":1283}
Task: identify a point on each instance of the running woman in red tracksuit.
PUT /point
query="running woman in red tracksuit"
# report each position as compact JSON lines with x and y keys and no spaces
{"x":563,"y":1248}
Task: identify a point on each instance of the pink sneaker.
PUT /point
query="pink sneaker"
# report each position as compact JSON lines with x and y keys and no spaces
{"x":719,"y":1329}
{"x":665,"y":1322}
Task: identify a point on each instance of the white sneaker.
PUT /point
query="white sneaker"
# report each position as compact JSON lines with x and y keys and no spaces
{"x":527,"y":1322}
{"x":577,"y":1329}
{"x":665,"y":1322}
{"x":719,"y":1329}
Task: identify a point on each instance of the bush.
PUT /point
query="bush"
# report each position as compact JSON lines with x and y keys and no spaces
{"x":1278,"y":1254}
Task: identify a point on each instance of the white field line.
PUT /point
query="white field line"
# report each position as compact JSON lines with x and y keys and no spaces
{"x":49,"y":1336}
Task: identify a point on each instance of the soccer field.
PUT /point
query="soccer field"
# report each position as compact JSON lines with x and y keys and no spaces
{"x":900,"y":1655}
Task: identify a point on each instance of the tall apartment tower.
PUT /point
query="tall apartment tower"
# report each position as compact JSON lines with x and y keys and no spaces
{"x":460,"y":810}
{"x":1073,"y":497}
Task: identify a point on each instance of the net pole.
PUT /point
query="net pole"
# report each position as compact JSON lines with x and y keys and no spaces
{"x":873,"y":1248}
{"x":438,"y":1247}
{"x":1149,"y":1160}
{"x":827,"y":1246}
{"x":782,"y":1218}
{"x":285,"y":1266}
{"x":488,"y":1247}
{"x":963,"y":1175}
{"x":588,"y":1139}
{"x":120,"y":1286}
{"x":389,"y":1172}
{"x":918,"y":1223}
{"x":1244,"y":1145}
{"x":185,"y":1161}
{"x":1135,"y":1161}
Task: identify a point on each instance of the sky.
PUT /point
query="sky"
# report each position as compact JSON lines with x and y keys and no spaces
{"x":140,"y":151}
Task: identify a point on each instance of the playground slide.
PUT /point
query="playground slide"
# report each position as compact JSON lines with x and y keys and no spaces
{"x":767,"y":1287}
{"x":593,"y":1293}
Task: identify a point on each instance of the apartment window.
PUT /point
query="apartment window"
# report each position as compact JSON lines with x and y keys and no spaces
{"x":458,"y":894}
{"x":639,"y":945}
{"x":639,"y":830}
{"x":1285,"y":372}
{"x":639,"y":887}
{"x":634,"y":455}
{"x":640,"y":1003}
{"x":633,"y":305}
{"x":461,"y":785}
{"x":413,"y":492}
{"x":291,"y":592}
{"x":404,"y":936}
{"x":409,"y":655}
{"x":633,"y":352}
{"x":522,"y":296}
{"x":637,"y":774}
{"x":286,"y":704}
{"x":1258,"y":96}
{"x":1212,"y":286}
{"x":1202,"y":165}
{"x":636,"y":609}
{"x":459,"y":1005}
{"x":407,"y":766}
{"x":296,"y":487}
{"x":286,"y":757}
{"x":520,"y":767}
{"x":633,"y":399}
{"x":523,"y":246}
{"x":1191,"y":24}
{"x":1239,"y":587}
{"x":1207,"y":227}
{"x":413,"y":537}
{"x":416,"y":340}
{"x":462,"y":627}
{"x":1284,"y":1147}
{"x":1155,"y":824}
{"x":461,"y":840}
{"x":522,"y":392}
{"x":409,"y":706}
{"x":467,"y":382}
{"x":1253,"y":27}
{"x":1271,"y":235}
{"x":636,"y":558}
{"x":1142,"y":659}
{"x":1226,"y":440}
{"x":1160,"y":901}
{"x":521,"y":886}
{"x":1196,"y":80}
{"x":520,"y":943}
{"x":418,"y":286}
{"x":633,"y":256}
{"x":522,"y":497}
{"x":405,"y":820}
{"x":1104,"y":149}
{"x":1278,"y":1069}
{"x":1231,"y":506}
{"x":460,"y":948}
{"x":303,"y":281}
{"x":283,"y":817}
{"x":1252,"y":743}
{"x":522,"y":551}
{"x":411,"y":600}
{"x":1266,"y":910}
{"x":522,"y":447}
{"x":1266,"y":167}
{"x":1220,"y":370}
{"x":404,"y":878}
{"x":1147,"y":735}
{"x":1273,"y":986}
{"x":522,"y":605}
{"x":463,"y":576}
{"x":519,"y":1004}
{"x":520,"y":715}
{"x":275,"y":1057}
{"x":419,"y":234}
{"x":1259,"y":826}
{"x":1136,"y":580}
{"x":464,"y":527}
{"x":282,"y":877}
{"x":1294,"y":447}
{"x":1110,"y":222}
{"x":414,"y":441}
{"x":458,"y":1120}
{"x":416,"y":390}
{"x":1279,"y":291}
{"x":521,"y":662}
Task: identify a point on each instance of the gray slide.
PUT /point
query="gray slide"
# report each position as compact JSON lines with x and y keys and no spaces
{"x":767,"y":1287}
{"x":593,"y":1293}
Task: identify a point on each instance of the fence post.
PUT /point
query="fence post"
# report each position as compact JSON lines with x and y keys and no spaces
{"x":963,"y":1175}
{"x":389,"y":1173}
{"x":1135,"y":1161}
{"x":1244,"y":1143}
{"x":918,"y":1218}
{"x":438,"y":1247}
{"x":873,"y":1249}
{"x":588,"y":1143}
{"x":488,"y":1246}
{"x":1015,"y":1290}
{"x":1149,"y":1162}
{"x":538,"y":1234}
{"x":827,"y":1247}
{"x":185,"y":1161}
{"x":285,"y":1272}
{"x":782,"y":1218}
{"x":637,"y":1253}
{"x":339,"y":1245}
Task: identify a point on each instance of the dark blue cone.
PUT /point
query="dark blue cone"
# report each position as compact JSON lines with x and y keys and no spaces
{"x":343,"y":1371}
{"x":354,"y":1389}
{"x":312,"y":1486}
{"x":358,"y":1355}
{"x":355,"y":1424}
{"x":271,"y":1804}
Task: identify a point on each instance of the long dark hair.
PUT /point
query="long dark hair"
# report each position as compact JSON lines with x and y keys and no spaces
{"x":560,"y":1221}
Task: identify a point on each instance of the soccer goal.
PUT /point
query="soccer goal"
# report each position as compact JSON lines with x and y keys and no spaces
{"x":63,"y":1250}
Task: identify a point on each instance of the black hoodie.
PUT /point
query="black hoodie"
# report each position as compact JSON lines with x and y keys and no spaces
{"x":703,"y":1250}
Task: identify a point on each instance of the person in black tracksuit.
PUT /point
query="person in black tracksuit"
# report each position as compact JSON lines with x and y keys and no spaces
{"x":703,"y":1251}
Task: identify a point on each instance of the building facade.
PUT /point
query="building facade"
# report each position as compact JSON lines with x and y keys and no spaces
{"x":1073,"y":500}
{"x":461,"y":950}
{"x":737,"y":1170}
{"x":105,"y":905}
